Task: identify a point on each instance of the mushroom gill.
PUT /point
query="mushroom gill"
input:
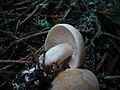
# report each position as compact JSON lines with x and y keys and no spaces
{"x":65,"y":33}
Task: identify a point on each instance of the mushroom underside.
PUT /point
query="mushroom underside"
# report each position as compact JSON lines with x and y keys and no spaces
{"x":65,"y":33}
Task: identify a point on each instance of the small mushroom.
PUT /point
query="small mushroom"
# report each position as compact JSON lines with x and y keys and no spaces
{"x":60,"y":41}
{"x":75,"y":79}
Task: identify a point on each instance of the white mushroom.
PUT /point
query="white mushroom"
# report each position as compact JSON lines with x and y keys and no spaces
{"x":62,"y":34}
{"x":75,"y":79}
{"x":65,"y":42}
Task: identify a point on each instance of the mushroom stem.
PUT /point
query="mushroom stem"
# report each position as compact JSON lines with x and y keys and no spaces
{"x":57,"y":54}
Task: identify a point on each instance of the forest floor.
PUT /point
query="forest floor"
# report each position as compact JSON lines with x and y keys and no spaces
{"x":24,"y":25}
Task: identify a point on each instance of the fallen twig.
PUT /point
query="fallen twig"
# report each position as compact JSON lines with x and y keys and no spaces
{"x":13,"y":61}
{"x":23,"y":60}
{"x":14,"y":37}
{"x":110,"y":35}
{"x":5,"y":67}
{"x":34,"y":11}
{"x":29,"y":15}
{"x":23,"y":2}
{"x":9,"y":2}
{"x":112,"y":65}
{"x":30,"y":7}
{"x":30,"y":36}
{"x":24,"y":39}
{"x":68,"y":11}
{"x":112,"y":77}
{"x":98,"y":32}
{"x":60,"y":3}
{"x":86,"y":6}
{"x":35,"y":15}
{"x":8,"y":34}
{"x":115,"y":46}
{"x":102,"y":60}
{"x":33,"y":54}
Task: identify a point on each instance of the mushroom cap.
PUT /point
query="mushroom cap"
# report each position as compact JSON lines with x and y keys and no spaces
{"x":57,"y":54}
{"x":75,"y":79}
{"x":65,"y":33}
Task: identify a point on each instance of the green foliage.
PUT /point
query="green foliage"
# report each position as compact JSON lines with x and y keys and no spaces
{"x":45,"y":5}
{"x":42,"y":22}
{"x":106,"y":46}
{"x":87,"y":22}
{"x":98,"y":55}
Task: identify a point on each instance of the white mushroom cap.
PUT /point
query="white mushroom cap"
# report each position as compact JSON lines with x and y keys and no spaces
{"x":75,"y":79}
{"x":65,"y":33}
{"x":57,"y":54}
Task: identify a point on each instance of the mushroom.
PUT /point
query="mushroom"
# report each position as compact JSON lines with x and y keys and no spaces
{"x":64,"y":43}
{"x":75,"y":79}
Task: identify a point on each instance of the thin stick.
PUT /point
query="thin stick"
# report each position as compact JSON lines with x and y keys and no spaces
{"x":102,"y":60}
{"x":112,"y":77}
{"x":116,"y":47}
{"x":31,"y":36}
{"x":26,"y":38}
{"x":13,"y":61}
{"x":29,"y":15}
{"x":98,"y":32}
{"x":110,"y":35}
{"x":23,"y":2}
{"x":51,"y":16}
{"x":34,"y":11}
{"x":68,"y":11}
{"x":14,"y":37}
{"x":5,"y":67}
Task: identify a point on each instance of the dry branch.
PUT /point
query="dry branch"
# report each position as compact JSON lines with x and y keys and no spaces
{"x":102,"y":60}
{"x":110,"y":35}
{"x":30,"y":36}
{"x":13,"y":61}
{"x":112,"y":77}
